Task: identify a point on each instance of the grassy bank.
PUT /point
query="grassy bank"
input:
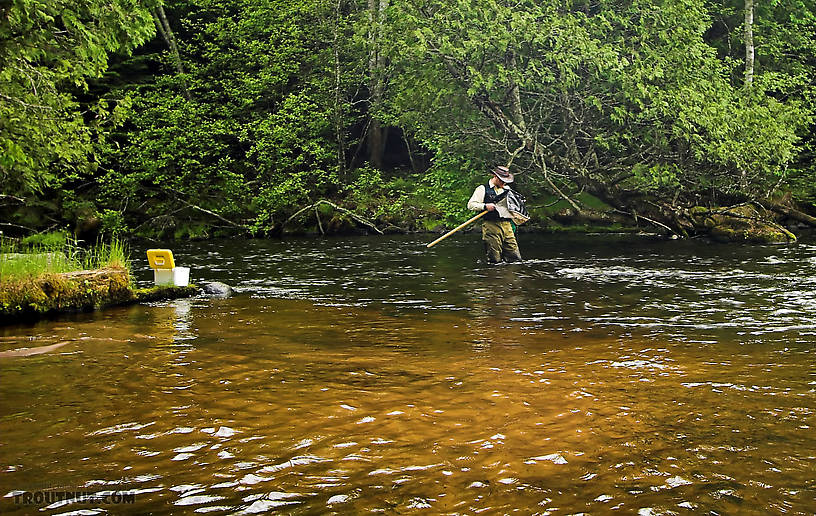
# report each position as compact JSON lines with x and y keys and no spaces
{"x":51,"y":274}
{"x":54,"y":253}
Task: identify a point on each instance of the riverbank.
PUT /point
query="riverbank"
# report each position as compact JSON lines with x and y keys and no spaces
{"x":49,"y":273}
{"x":739,"y":224}
{"x":77,"y":291}
{"x":767,"y":222}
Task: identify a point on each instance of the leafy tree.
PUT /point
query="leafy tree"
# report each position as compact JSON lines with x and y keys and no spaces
{"x":619,"y":98}
{"x":173,"y":117}
{"x":785,"y":56}
{"x":264,"y":127}
{"x":48,"y":52}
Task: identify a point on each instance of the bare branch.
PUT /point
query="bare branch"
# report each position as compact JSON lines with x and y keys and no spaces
{"x":353,"y":215}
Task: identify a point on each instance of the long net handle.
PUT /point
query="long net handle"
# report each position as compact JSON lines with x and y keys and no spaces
{"x":457,"y":228}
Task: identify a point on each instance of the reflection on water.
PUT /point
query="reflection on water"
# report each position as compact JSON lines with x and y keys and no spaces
{"x":370,"y":375}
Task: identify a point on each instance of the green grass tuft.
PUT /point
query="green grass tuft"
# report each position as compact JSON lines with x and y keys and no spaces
{"x":36,"y":257}
{"x":114,"y":255}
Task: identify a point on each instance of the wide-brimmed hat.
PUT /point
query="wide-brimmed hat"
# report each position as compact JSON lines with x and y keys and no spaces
{"x":503,"y":173}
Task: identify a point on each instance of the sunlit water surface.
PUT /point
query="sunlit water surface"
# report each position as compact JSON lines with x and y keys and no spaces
{"x":357,"y":375}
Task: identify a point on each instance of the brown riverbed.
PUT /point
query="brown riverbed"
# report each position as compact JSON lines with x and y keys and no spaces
{"x":573,"y":388}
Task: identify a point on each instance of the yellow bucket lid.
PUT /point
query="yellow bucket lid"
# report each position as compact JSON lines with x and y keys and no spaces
{"x":160,"y":259}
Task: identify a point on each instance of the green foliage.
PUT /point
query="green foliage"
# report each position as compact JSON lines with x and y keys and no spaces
{"x":255,"y":140}
{"x":603,"y":89}
{"x":656,"y":178}
{"x":448,"y":185}
{"x":783,"y":39}
{"x":389,"y":202}
{"x":267,"y":106}
{"x":113,"y":223}
{"x":52,"y":240}
{"x":366,"y":180}
{"x":49,"y":51}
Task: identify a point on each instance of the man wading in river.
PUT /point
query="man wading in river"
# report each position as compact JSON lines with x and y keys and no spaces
{"x":497,"y":228}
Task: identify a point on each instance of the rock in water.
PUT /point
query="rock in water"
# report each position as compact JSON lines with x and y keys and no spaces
{"x":218,"y":289}
{"x":742,"y":223}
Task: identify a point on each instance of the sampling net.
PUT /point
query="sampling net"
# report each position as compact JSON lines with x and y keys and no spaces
{"x":512,"y":207}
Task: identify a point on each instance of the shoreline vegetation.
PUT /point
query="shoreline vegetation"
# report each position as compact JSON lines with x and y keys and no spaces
{"x":769,"y":222}
{"x":51,"y":274}
{"x":190,"y":120}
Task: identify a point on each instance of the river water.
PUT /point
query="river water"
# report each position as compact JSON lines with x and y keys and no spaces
{"x":360,"y":374}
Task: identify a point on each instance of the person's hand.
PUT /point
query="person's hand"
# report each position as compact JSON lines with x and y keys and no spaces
{"x":490,"y":207}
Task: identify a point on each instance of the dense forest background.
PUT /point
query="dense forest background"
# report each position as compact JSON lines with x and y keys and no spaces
{"x":198,"y":118}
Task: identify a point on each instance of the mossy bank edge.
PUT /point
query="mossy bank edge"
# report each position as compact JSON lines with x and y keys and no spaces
{"x":78,"y":291}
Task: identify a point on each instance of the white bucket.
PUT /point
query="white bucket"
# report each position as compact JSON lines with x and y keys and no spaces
{"x":180,"y":276}
{"x":163,"y":276}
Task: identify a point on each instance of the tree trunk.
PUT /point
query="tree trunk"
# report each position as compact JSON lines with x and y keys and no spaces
{"x":339,"y":129}
{"x":169,"y":37}
{"x":749,"y":43}
{"x":407,"y":141}
{"x":376,"y":64}
{"x":376,"y":143}
{"x":789,"y":212}
{"x":515,"y":94}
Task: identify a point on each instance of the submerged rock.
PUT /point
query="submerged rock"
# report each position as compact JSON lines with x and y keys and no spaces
{"x":163,"y":292}
{"x":217,"y":289}
{"x":27,"y":352}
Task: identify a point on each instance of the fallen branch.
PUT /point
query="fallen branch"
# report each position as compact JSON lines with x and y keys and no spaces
{"x":789,"y":212}
{"x":636,"y":216}
{"x":656,"y":223}
{"x":157,"y":217}
{"x":10,"y":225}
{"x":178,"y":196}
{"x":727,"y":212}
{"x":350,"y":213}
{"x":208,"y":212}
